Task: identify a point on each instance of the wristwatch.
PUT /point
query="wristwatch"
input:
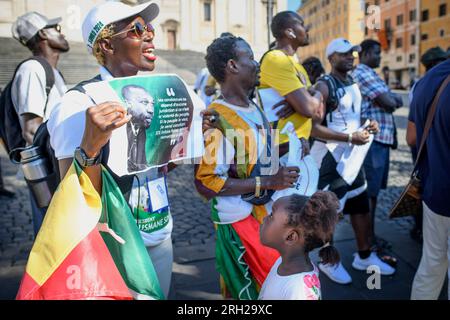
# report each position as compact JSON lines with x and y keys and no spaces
{"x":350,"y":138}
{"x":258,"y":187}
{"x":84,"y":161}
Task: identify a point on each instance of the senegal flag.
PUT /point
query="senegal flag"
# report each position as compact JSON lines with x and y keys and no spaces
{"x":89,"y":247}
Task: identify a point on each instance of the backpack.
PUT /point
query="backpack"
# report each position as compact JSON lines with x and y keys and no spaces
{"x":42,"y":140}
{"x":335,"y":93}
{"x":332,"y":102}
{"x":10,"y":129}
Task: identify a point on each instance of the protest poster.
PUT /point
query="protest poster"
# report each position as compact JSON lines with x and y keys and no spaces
{"x":165,"y":124}
{"x":269,"y":98}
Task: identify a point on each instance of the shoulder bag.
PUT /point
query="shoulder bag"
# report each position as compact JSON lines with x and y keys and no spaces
{"x":410,"y":201}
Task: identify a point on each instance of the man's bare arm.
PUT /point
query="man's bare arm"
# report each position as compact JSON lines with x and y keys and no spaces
{"x":411,"y":135}
{"x":303,"y":102}
{"x":31,"y":124}
{"x":388,"y":102}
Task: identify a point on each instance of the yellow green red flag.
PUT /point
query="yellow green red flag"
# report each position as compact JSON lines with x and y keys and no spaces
{"x":89,"y":247}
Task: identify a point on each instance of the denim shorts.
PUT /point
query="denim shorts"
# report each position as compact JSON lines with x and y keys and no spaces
{"x":376,"y":166}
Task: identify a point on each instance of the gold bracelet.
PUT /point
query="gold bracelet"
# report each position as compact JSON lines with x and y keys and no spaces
{"x":258,"y":187}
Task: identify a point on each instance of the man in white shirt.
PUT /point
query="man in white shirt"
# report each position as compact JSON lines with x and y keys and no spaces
{"x":340,"y":126}
{"x":200,"y":84}
{"x":43,"y":37}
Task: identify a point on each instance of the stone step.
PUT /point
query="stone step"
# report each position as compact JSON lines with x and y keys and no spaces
{"x":77,"y":65}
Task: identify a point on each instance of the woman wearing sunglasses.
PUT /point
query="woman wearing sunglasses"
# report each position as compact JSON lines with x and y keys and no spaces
{"x":121,"y":39}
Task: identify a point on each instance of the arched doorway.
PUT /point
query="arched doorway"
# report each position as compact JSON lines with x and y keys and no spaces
{"x":171,"y":39}
{"x":170,"y":28}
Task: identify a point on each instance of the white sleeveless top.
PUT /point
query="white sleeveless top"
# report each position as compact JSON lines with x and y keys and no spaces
{"x":347,"y":116}
{"x":345,"y":119}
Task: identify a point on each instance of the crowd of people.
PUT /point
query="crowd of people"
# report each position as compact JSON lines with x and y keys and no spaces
{"x":262,"y":246}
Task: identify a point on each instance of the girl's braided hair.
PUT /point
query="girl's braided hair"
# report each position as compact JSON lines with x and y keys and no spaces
{"x":316,"y":219}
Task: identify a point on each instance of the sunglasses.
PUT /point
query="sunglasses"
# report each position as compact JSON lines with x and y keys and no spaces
{"x":138,"y":30}
{"x":57,"y":27}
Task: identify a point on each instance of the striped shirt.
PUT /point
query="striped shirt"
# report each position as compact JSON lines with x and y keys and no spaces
{"x":226,"y":157}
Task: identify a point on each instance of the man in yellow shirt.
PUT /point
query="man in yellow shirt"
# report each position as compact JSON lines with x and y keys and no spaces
{"x":281,"y":71}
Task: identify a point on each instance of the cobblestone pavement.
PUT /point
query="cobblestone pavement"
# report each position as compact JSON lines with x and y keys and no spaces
{"x":16,"y":232}
{"x":399,"y":173}
{"x":192,"y":223}
{"x":191,"y":213}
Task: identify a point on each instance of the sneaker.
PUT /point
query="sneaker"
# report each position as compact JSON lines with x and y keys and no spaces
{"x":372,"y":260}
{"x":336,"y":272}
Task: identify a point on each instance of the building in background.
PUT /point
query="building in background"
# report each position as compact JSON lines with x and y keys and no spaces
{"x":72,"y":12}
{"x":181,"y":25}
{"x":193,"y":24}
{"x":434,"y":26}
{"x":407,"y":29}
{"x":399,"y":35}
{"x":330,"y":19}
{"x":184,"y":29}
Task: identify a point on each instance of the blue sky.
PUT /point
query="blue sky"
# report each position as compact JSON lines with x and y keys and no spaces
{"x":294,"y":4}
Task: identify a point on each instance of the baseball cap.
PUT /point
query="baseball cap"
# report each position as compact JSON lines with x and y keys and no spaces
{"x":341,"y":45}
{"x":436,"y":53}
{"x":109,"y":12}
{"x":29,"y":24}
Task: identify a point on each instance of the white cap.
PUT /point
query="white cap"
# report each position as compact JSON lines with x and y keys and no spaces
{"x":112,"y":11}
{"x":341,"y":45}
{"x":29,"y":24}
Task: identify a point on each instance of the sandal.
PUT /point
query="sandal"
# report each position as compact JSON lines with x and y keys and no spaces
{"x":380,"y":245}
